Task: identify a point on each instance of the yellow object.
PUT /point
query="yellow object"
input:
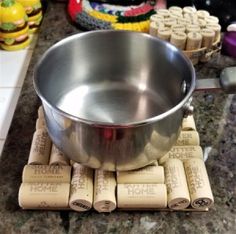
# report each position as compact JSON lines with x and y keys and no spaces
{"x":30,"y":5}
{"x":12,"y":15}
{"x":17,"y":46}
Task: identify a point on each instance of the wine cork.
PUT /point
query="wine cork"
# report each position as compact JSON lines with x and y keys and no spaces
{"x":174,"y":9}
{"x":141,"y":196}
{"x":163,"y":12}
{"x":183,"y":153}
{"x":198,"y":184}
{"x":194,"y":41}
{"x":40,"y":112}
{"x":208,"y":37}
{"x":177,"y":189}
{"x":57,"y":157}
{"x":104,"y":191}
{"x":40,"y":148}
{"x":157,"y":18}
{"x":43,"y":195}
{"x":178,"y":28}
{"x":46,"y":174}
{"x":81,"y":192}
{"x":190,"y":16}
{"x":202,"y":23}
{"x":188,"y":124}
{"x":169,"y":22}
{"x":202,"y":14}
{"x":178,"y":39}
{"x":145,"y":175}
{"x":212,"y":19}
{"x":40,"y":123}
{"x":184,"y":21}
{"x":175,"y":17}
{"x":164,"y":34}
{"x":216,"y":28}
{"x":193,"y":28}
{"x":189,"y":10}
{"x":153,"y":29}
{"x":188,"y":138}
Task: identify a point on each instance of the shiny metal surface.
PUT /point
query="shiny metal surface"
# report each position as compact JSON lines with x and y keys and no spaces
{"x":114,"y":99}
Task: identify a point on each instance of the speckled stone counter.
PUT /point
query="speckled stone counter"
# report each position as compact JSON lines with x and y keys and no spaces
{"x":215,"y":115}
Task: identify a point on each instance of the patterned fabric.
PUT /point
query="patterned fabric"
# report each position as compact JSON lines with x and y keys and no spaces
{"x":93,"y":15}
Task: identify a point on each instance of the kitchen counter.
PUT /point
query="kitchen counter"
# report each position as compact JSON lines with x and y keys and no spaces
{"x":215,"y":115}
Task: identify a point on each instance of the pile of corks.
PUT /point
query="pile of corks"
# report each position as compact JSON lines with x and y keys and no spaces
{"x":177,"y":181}
{"x":186,"y":28}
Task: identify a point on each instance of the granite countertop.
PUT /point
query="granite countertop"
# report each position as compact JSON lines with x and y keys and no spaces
{"x":215,"y":115}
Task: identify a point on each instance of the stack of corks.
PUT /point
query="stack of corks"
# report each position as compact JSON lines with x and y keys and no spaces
{"x":185,"y":172}
{"x":193,"y":31}
{"x":47,"y":176}
{"x":177,"y":181}
{"x":51,"y":181}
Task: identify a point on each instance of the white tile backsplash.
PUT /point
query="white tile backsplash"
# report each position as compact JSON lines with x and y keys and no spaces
{"x":8,"y":101}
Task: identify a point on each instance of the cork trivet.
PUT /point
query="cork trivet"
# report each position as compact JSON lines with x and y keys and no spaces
{"x":104,"y":191}
{"x":198,"y":184}
{"x":178,"y":39}
{"x":81,"y":192}
{"x":145,"y":175}
{"x":202,"y":14}
{"x":46,"y":174}
{"x":57,"y":157}
{"x":163,"y":12}
{"x":208,"y":37}
{"x":176,"y":184}
{"x":188,"y":138}
{"x":40,"y":148}
{"x":40,"y":124}
{"x":164,"y":34}
{"x":141,"y":196}
{"x":183,"y":153}
{"x":178,"y":28}
{"x":188,"y":123}
{"x":194,"y":41}
{"x":43,"y":195}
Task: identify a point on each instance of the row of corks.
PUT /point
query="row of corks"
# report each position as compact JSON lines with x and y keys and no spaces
{"x":187,"y":28}
{"x":180,"y":180}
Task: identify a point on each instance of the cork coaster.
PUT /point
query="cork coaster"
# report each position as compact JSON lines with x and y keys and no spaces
{"x":195,"y":32}
{"x":176,"y":182}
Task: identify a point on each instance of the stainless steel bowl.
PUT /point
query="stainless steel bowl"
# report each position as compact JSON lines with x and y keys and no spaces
{"x":114,"y":99}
